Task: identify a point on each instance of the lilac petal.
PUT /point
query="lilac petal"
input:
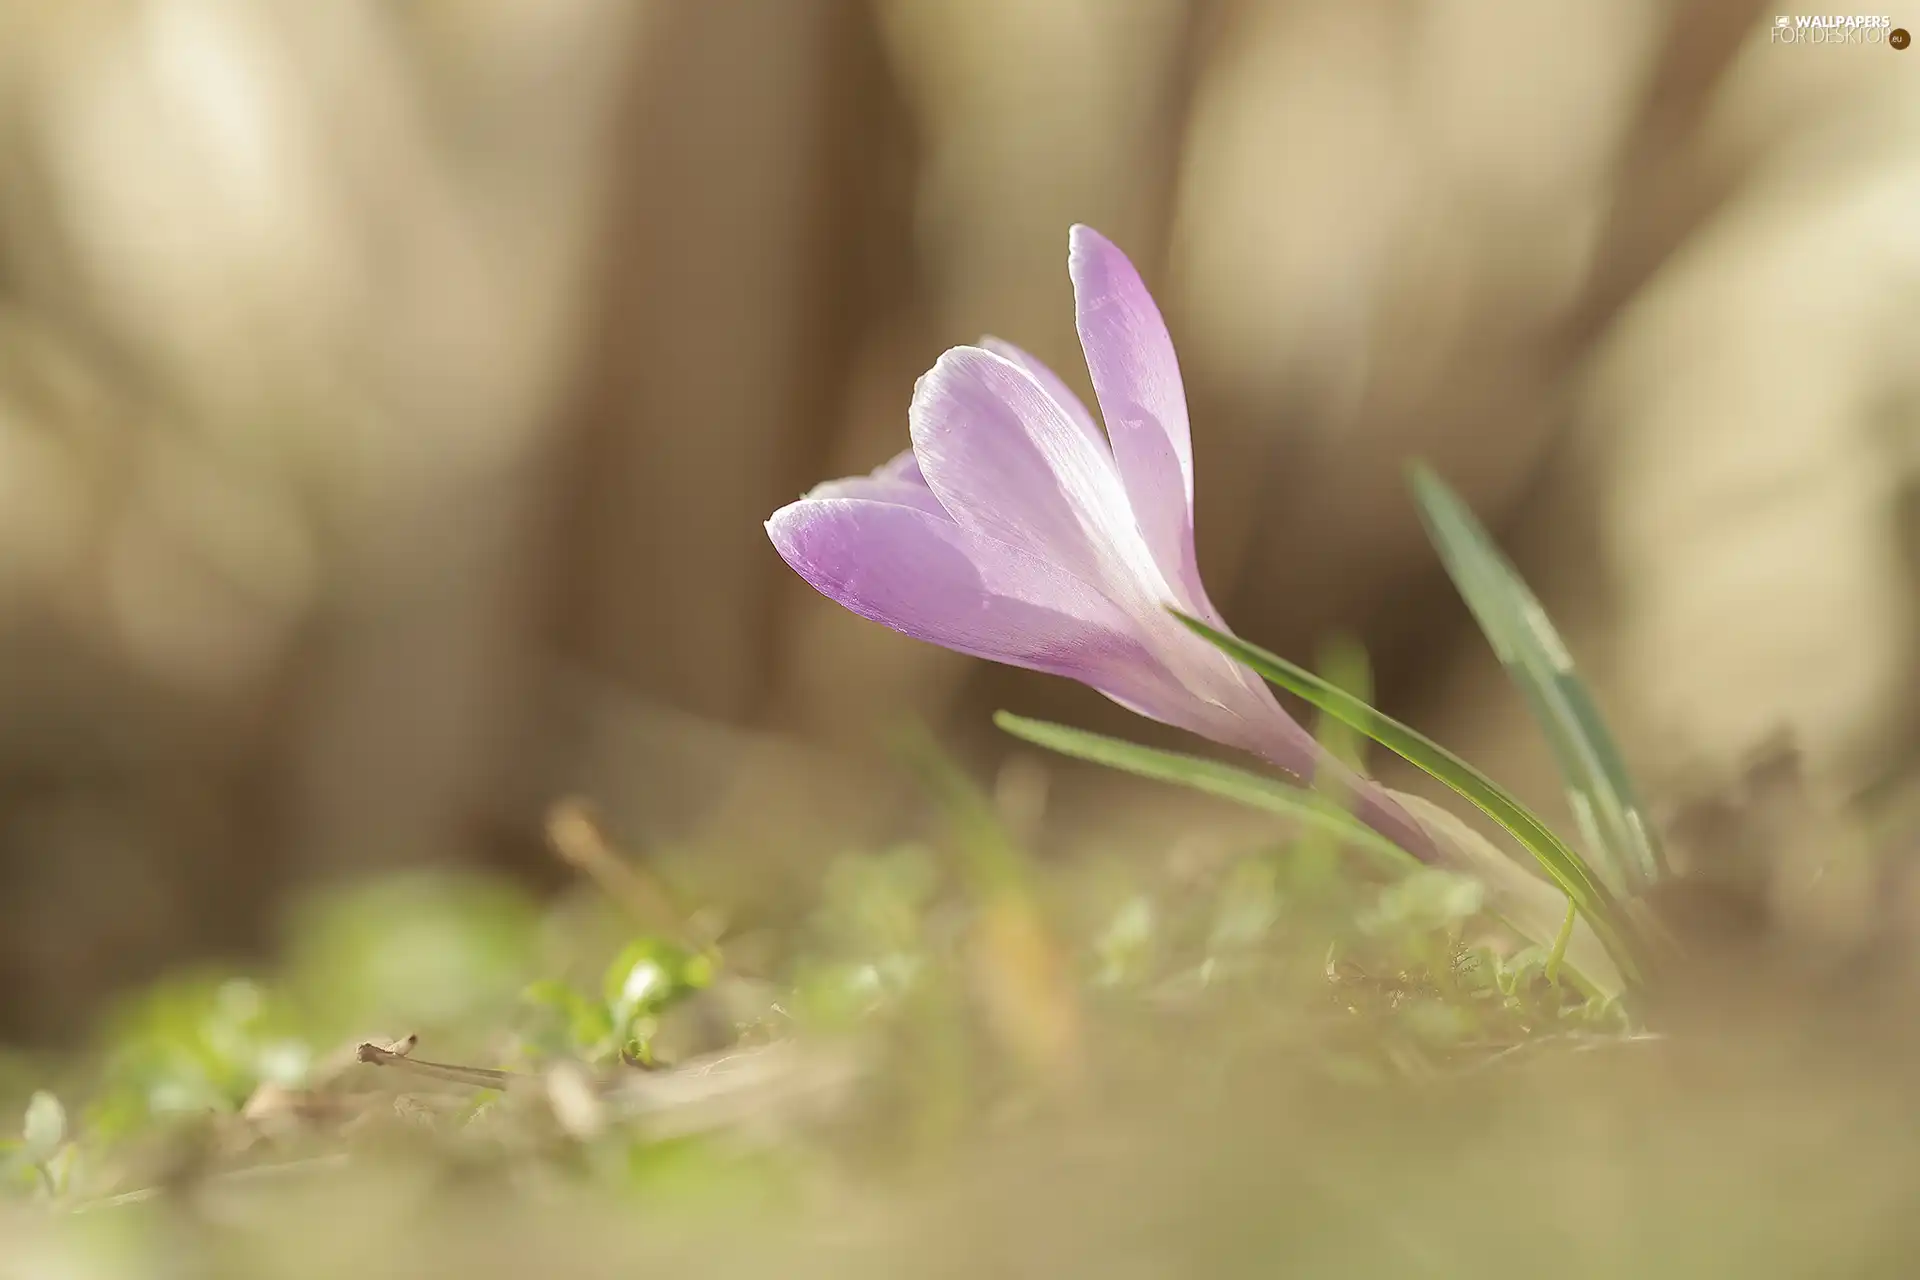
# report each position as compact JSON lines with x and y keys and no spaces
{"x":1256,"y":723}
{"x":920,"y":573}
{"x":1010,"y":466}
{"x":925,"y":576}
{"x":896,"y":481}
{"x":1051,"y":382}
{"x":1249,"y":717}
{"x":893,"y":493}
{"x":1370,"y":802}
{"x":1137,"y":379}
{"x":902,"y":466}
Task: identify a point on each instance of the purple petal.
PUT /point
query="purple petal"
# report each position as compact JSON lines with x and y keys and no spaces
{"x":1255,"y":722}
{"x":1241,"y":711}
{"x":922,"y":574}
{"x":902,"y":466}
{"x":1372,"y":804}
{"x":1010,"y":466}
{"x":896,"y":482}
{"x":1054,"y":386}
{"x":925,"y":576}
{"x":1137,"y":379}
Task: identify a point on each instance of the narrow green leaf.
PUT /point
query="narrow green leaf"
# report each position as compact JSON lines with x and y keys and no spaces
{"x":1600,"y":792}
{"x":1343,"y":663}
{"x":1522,"y":900}
{"x":1213,"y":778}
{"x":1532,"y":907}
{"x":1560,"y":941}
{"x":1566,"y":867}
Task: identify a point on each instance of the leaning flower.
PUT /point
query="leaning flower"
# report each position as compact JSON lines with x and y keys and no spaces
{"x":1015,"y":529}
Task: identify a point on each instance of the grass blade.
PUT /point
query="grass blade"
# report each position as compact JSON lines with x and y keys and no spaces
{"x":1515,"y":895}
{"x":1561,"y":863}
{"x":1213,"y":778}
{"x":1533,"y":908}
{"x":1599,"y":790}
{"x":1344,"y":663}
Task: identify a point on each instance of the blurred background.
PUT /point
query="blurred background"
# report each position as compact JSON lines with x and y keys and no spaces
{"x":392,"y":391}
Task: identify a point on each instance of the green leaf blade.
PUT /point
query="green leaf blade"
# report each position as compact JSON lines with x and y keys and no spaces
{"x":1559,"y":860}
{"x":1602,"y":793}
{"x":1530,"y":905}
{"x":1212,"y":778}
{"x":1517,"y":893}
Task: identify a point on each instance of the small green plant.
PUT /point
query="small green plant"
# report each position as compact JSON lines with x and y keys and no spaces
{"x":194,"y":1045}
{"x":641,"y":983}
{"x":1622,"y":856}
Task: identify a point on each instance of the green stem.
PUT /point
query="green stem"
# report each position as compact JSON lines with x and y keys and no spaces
{"x":1560,"y":945}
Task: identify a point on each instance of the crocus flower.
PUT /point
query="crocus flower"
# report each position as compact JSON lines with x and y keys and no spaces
{"x":1016,"y":530}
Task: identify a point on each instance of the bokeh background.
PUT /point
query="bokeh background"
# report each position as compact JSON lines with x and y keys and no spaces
{"x":392,"y":391}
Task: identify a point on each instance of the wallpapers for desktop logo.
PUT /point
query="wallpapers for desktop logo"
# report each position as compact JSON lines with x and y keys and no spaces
{"x":1813,"y":28}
